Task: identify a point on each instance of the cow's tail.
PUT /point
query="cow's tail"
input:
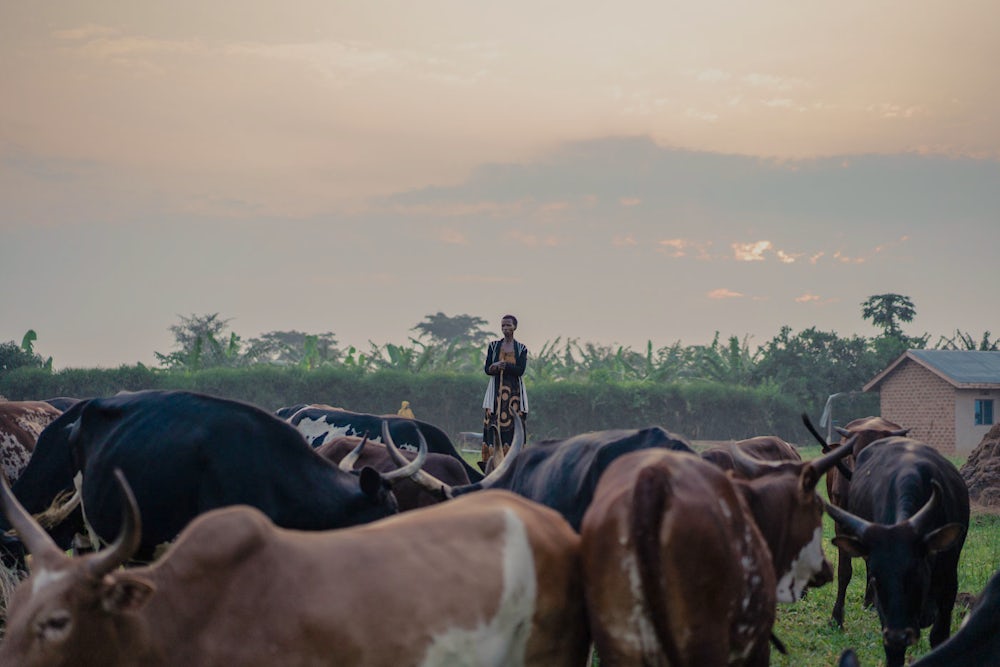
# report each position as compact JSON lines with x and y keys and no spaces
{"x":650,"y":502}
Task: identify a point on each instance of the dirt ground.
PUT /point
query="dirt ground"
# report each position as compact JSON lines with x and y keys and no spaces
{"x":981,"y":472}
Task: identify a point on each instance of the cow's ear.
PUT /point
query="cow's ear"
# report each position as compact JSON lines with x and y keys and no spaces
{"x":125,"y":594}
{"x":808,"y":479}
{"x":944,"y":537}
{"x":371,"y":482}
{"x":852,"y":546}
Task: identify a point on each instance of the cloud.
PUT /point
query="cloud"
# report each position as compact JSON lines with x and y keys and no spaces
{"x":713,"y":76}
{"x":806,"y":298}
{"x":846,"y":259}
{"x":894,"y":111}
{"x":624,"y":241}
{"x":723,"y":293}
{"x":86,"y":31}
{"x":468,"y":278}
{"x":629,"y":201}
{"x":771,"y":82}
{"x":707,"y":116}
{"x":533,"y":240}
{"x":452,"y":237}
{"x":751,"y":252}
{"x":891,"y":244}
{"x":787,"y":258}
{"x":675,"y":247}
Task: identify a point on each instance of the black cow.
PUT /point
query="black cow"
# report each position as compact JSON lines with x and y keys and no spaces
{"x":908,"y":515}
{"x":187,"y":453}
{"x":62,"y":403}
{"x":321,"y":423}
{"x":561,"y":474}
{"x":977,"y":642}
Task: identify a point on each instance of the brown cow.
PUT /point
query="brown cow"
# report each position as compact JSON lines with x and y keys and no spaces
{"x":409,"y":494}
{"x":683,"y":563}
{"x":763,"y":447}
{"x":490,"y":579}
{"x":20,"y":424}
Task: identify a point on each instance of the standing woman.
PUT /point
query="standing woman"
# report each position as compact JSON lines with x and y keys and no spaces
{"x":506,"y":360}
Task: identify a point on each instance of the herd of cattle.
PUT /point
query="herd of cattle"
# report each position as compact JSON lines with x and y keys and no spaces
{"x":206,"y":531}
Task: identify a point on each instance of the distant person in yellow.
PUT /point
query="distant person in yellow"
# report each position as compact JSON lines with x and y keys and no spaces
{"x":405,"y":411}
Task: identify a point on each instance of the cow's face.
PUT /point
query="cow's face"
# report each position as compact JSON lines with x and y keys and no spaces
{"x":808,"y":565}
{"x":900,"y":559}
{"x":63,"y":615}
{"x":790,"y":516}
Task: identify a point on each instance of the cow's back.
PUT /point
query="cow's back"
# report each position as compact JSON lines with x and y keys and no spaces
{"x":21,"y":422}
{"x":563,"y":474}
{"x":676,"y":572}
{"x":186,"y":453}
{"x":487,"y":579}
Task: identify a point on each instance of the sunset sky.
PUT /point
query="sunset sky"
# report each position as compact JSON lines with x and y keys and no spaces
{"x":612,"y":172}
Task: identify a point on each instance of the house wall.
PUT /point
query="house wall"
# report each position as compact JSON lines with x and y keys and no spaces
{"x":917,"y":399}
{"x":967,"y":434}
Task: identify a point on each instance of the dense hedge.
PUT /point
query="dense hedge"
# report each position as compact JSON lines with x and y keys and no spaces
{"x":695,"y":410}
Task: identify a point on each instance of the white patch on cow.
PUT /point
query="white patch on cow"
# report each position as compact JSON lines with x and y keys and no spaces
{"x":792,"y":584}
{"x":503,"y":639}
{"x":638,"y":632}
{"x":724,"y":506}
{"x":317,"y":431}
{"x":15,"y":456}
{"x":45,"y":578}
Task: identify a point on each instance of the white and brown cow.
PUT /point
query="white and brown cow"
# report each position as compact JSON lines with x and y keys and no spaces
{"x":489,"y":579}
{"x":683,"y":563}
{"x":20,"y":424}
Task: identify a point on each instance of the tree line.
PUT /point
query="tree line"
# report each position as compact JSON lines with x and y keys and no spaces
{"x":805,"y":367}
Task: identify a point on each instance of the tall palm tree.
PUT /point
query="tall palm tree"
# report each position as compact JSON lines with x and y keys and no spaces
{"x":887,"y":310}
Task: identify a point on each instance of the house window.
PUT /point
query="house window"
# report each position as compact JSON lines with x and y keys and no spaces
{"x":984,"y":411}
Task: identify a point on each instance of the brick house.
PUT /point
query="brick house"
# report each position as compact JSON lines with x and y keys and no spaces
{"x":948,"y":398}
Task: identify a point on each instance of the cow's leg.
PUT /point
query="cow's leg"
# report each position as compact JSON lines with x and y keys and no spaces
{"x":945,"y":600}
{"x":761,"y":655}
{"x":869,"y":589}
{"x":844,"y":574}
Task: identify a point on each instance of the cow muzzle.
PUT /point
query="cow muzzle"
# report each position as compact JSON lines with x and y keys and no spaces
{"x":899,"y":638}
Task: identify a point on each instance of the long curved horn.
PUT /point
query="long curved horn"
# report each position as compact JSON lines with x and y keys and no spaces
{"x":854,"y":524}
{"x":412,"y":467}
{"x":36,"y":541}
{"x":347,"y":463}
{"x":748,"y":466}
{"x":919,"y":520}
{"x":842,"y":431}
{"x":446,"y":491}
{"x":421,"y":477}
{"x":816,"y":434}
{"x":819,"y":466}
{"x":827,"y":448}
{"x":127,"y":542}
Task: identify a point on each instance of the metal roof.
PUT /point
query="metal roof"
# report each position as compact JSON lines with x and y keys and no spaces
{"x":961,"y":368}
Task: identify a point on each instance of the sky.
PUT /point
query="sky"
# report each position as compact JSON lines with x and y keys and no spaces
{"x":615,"y":173}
